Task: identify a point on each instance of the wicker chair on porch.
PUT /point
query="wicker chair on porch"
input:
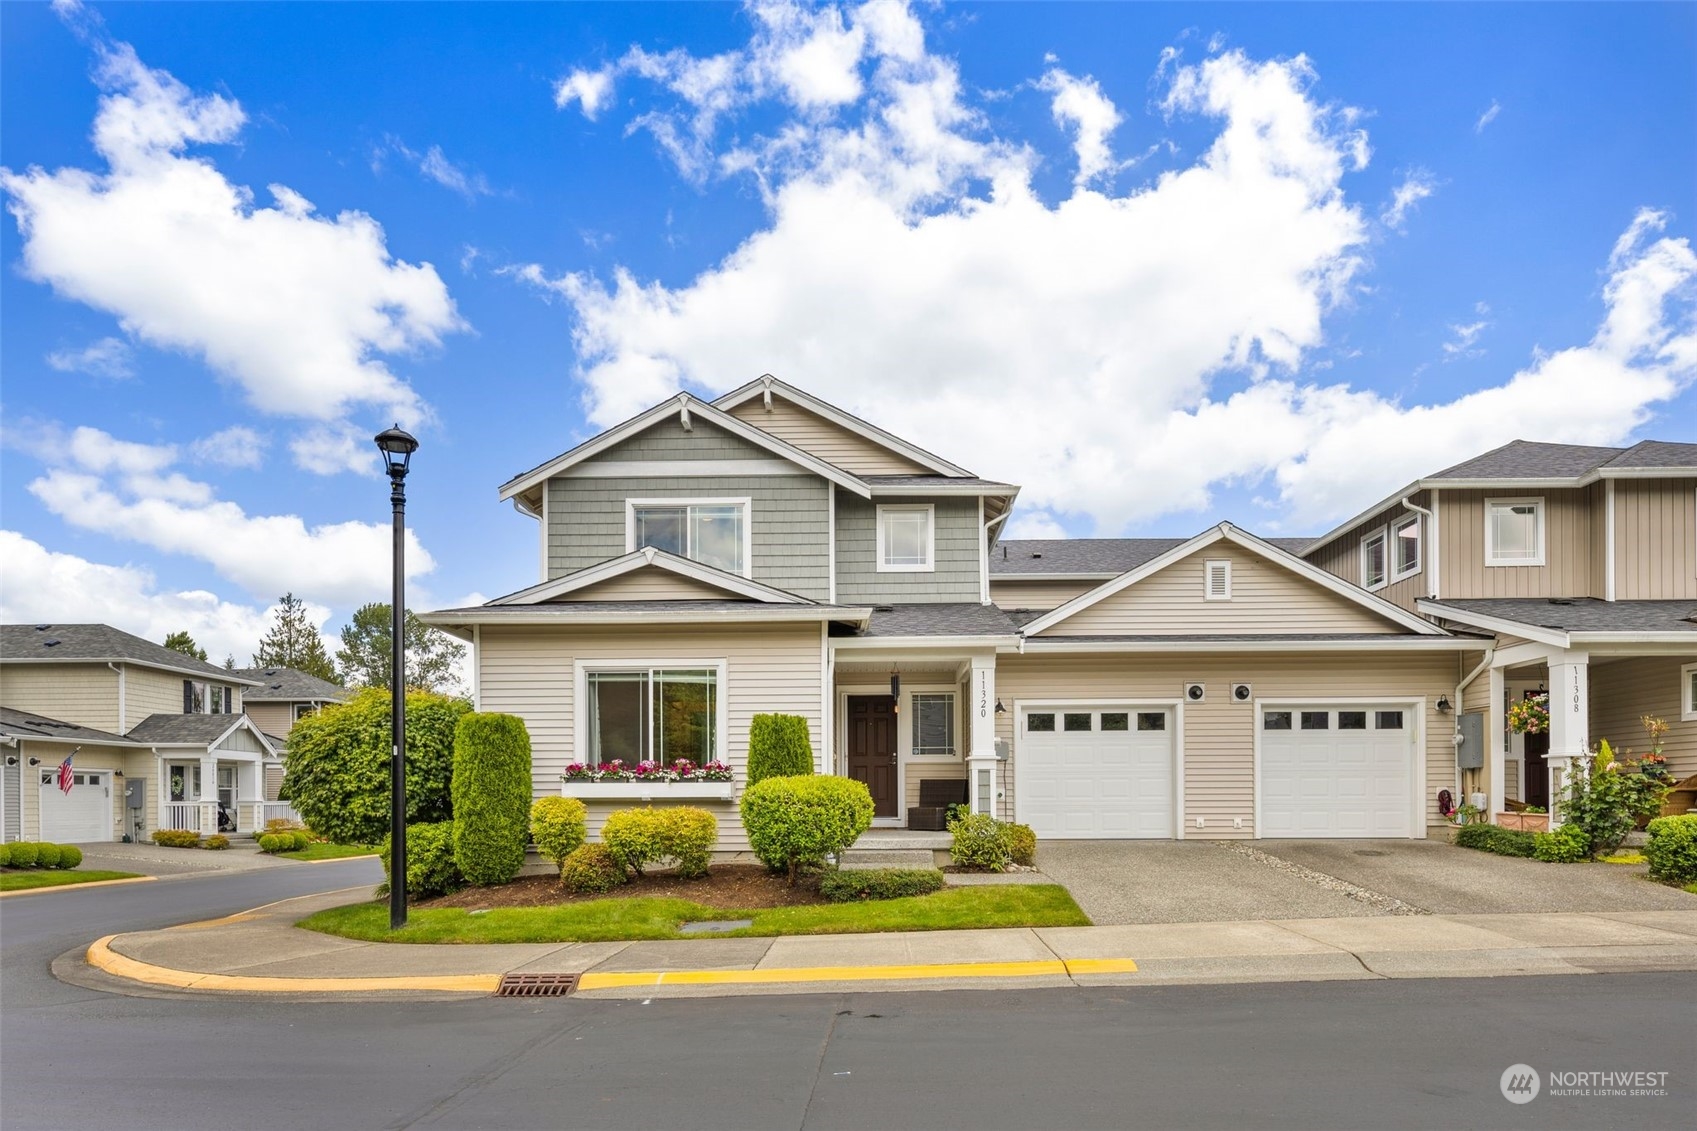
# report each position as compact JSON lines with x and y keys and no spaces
{"x":935,"y":797}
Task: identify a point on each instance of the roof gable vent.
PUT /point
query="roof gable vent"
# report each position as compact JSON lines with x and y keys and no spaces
{"x":1217,"y":585}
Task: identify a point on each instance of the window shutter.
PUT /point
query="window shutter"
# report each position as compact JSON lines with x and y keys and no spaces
{"x":188,"y":696}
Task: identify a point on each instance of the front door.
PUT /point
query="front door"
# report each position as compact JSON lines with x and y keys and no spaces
{"x":872,"y":749}
{"x":1537,"y":770}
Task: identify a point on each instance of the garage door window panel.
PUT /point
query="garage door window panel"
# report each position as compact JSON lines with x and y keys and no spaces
{"x":1316,"y":720}
{"x":1151,"y":720}
{"x":1076,"y":721}
{"x":1040,"y":723}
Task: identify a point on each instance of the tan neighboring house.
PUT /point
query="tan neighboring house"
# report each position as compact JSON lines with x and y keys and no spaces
{"x":280,"y":699}
{"x":156,"y":739}
{"x":704,"y":562}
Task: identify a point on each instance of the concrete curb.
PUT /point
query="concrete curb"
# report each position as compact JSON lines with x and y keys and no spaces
{"x":78,"y":887}
{"x":102,"y":957}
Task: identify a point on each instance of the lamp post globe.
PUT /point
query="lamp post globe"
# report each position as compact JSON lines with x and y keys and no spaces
{"x":397,"y":448}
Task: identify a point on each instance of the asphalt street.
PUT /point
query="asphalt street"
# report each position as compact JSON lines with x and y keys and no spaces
{"x":1312,"y":1055}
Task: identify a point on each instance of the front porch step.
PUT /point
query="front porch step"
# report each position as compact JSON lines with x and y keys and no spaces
{"x":868,"y":859}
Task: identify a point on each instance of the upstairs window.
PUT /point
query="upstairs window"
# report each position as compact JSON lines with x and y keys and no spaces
{"x":906,"y":538}
{"x":713,"y":532}
{"x":1405,"y":547}
{"x":200,"y":698}
{"x":1514,"y":532}
{"x":1375,"y":564}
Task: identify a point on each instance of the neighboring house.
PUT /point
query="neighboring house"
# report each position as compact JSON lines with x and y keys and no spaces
{"x":705,"y":562}
{"x":282,"y":698}
{"x":1579,"y":564}
{"x":156,"y":739}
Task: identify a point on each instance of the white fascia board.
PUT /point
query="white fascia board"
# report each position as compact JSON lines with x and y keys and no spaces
{"x":835,"y":415}
{"x":1643,"y":473}
{"x":1392,"y":642}
{"x":1130,"y":577}
{"x":898,"y":643}
{"x":684,"y":402}
{"x":1552,"y":636}
{"x":642,"y":559}
{"x":1337,"y":532}
{"x":983,"y":490}
{"x":1688,"y":639}
{"x":567,"y":616}
{"x":1098,"y":576}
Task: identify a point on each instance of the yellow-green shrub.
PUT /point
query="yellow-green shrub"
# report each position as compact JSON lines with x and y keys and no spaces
{"x":591,"y":869}
{"x":491,"y":791}
{"x":559,"y":826}
{"x":24,"y":854}
{"x":1022,"y":845}
{"x":683,"y":835}
{"x":176,"y":838}
{"x":47,"y":855}
{"x":796,"y":822}
{"x":70,"y":856}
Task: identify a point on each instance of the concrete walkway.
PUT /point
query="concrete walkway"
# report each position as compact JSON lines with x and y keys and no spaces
{"x":263,"y":952}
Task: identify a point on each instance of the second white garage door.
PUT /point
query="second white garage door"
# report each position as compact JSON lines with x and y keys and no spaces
{"x":1096,"y":772}
{"x":1337,"y":771}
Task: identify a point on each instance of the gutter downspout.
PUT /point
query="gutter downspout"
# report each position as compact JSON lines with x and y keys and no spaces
{"x":122,"y":712}
{"x":1431,"y":524}
{"x":984,"y":545}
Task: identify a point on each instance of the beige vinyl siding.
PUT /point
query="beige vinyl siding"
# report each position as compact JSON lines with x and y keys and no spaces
{"x":273,"y":718}
{"x":528,"y":671}
{"x":1342,"y":557}
{"x":148,"y":692}
{"x":1219,"y":734}
{"x":1596,"y":498}
{"x":84,"y":694}
{"x":1655,"y":539}
{"x":789,"y":535}
{"x":954,"y":578}
{"x":274,"y":780}
{"x":242,"y":740}
{"x":667,"y":440}
{"x":1567,"y":547}
{"x":830,"y":442}
{"x":1266,"y":597}
{"x":648,"y":584}
{"x":1623,"y":691}
{"x":1042,"y":595}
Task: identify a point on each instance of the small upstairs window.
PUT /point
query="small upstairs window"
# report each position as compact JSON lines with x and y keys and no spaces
{"x":1375,"y":565}
{"x":907,"y":538}
{"x":713,"y":532}
{"x":1514,"y":532}
{"x":1218,"y":583}
{"x":1405,"y":547}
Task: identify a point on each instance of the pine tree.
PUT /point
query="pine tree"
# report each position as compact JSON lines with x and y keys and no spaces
{"x":184,"y":643}
{"x":432,"y":655}
{"x":293,"y":642}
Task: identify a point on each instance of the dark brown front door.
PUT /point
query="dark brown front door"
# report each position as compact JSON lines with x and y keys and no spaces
{"x":1536,"y":750}
{"x":872,"y":749}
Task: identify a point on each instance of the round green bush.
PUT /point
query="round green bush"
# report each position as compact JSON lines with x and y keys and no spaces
{"x":559,"y":826}
{"x":337,"y":765}
{"x":299,"y":841}
{"x":272,"y":842}
{"x":635,"y":837}
{"x":1672,"y":848}
{"x":690,"y":834}
{"x":1022,"y":845}
{"x":5,"y":855}
{"x":24,"y":854}
{"x":778,"y":746}
{"x":981,"y":843}
{"x":70,"y":856}
{"x":681,"y":834}
{"x":491,"y":791}
{"x":47,"y":855}
{"x":431,"y":869}
{"x":591,"y":869}
{"x":796,"y":822}
{"x":1568,"y":844}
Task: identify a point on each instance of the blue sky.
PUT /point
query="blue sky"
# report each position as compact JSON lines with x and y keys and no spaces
{"x":1161,"y":265}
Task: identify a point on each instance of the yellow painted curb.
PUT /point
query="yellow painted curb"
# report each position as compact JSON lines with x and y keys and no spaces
{"x":801,"y":974}
{"x":103,"y":957}
{"x":78,"y":887}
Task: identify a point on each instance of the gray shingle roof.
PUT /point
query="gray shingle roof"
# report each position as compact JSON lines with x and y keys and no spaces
{"x":1524,"y":459}
{"x":954,"y":619}
{"x":288,"y":685}
{"x":26,"y":724}
{"x":98,"y":642}
{"x":566,"y":610}
{"x":1657,"y":453}
{"x":1389,"y":639}
{"x":1587,"y":614}
{"x":182,"y":728}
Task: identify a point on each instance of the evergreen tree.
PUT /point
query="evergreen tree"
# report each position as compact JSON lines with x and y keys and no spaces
{"x":293,"y":642}
{"x":184,"y":643}
{"x":432,"y":655}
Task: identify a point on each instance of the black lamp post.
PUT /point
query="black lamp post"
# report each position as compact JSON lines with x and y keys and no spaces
{"x":397,"y":448}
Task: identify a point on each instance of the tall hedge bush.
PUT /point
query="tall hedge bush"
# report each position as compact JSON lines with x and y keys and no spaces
{"x":337,"y":765}
{"x":778,"y":747}
{"x":795,"y":822}
{"x":491,"y":791}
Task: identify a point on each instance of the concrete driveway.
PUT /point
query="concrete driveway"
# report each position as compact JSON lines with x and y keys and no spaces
{"x":1160,"y":881}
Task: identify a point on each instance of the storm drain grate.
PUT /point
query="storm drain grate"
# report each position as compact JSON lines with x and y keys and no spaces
{"x":536,"y":985}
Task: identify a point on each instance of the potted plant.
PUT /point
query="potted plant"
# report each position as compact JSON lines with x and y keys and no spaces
{"x":1530,"y":715}
{"x":1532,"y":819}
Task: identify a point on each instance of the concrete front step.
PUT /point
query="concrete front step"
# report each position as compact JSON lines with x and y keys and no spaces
{"x":866,"y":859}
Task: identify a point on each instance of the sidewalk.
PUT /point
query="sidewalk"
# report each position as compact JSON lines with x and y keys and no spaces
{"x":261,"y":951}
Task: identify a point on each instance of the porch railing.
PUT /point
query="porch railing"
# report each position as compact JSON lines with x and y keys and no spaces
{"x":181,"y":815}
{"x":279,"y":811}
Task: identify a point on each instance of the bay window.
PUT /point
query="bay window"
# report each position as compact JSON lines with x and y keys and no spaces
{"x":714,"y":532}
{"x":652,"y":715}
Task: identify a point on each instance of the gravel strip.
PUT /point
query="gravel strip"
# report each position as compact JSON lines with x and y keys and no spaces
{"x":1390,"y":905}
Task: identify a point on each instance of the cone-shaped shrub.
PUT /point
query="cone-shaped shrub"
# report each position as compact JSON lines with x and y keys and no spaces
{"x":491,"y":796}
{"x":778,"y":747}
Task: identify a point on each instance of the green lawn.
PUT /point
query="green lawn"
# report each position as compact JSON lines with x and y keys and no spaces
{"x":317,"y":851}
{"x":602,"y":920}
{"x":53,"y":878}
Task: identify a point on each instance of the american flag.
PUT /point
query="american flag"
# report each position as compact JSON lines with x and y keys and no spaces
{"x":65,"y":773}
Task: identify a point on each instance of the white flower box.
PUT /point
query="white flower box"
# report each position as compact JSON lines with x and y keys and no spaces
{"x":648,"y":790}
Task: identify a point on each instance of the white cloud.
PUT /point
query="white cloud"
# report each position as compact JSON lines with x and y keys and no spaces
{"x":1463,"y":335}
{"x":591,"y":90}
{"x":1489,"y":116}
{"x":111,"y":358}
{"x":1034,"y":524}
{"x":1080,"y":104}
{"x":1417,"y":186}
{"x":330,"y":449}
{"x":236,"y":446}
{"x":434,"y":164}
{"x":292,"y":307}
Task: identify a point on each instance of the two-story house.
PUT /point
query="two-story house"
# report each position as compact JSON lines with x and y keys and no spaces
{"x":281,"y":698}
{"x":156,"y":739}
{"x":703,"y":562}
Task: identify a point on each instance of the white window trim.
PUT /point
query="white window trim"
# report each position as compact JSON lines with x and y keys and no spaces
{"x":953,"y":753}
{"x":930,"y":510}
{"x":1687,"y":699}
{"x":580,"y":697}
{"x":1490,"y":541}
{"x":746,"y":503}
{"x":1383,"y":534}
{"x":1208,"y":593}
{"x":1391,"y":543}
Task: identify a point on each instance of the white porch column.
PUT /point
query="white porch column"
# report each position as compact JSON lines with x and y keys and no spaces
{"x":1495,"y":726}
{"x":1570,"y":722}
{"x":984,"y":786}
{"x":208,"y":797}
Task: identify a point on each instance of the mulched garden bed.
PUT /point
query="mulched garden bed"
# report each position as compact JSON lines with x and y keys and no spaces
{"x":734,"y":886}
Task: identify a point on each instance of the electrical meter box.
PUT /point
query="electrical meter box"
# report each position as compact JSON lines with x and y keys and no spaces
{"x":1470,"y":749}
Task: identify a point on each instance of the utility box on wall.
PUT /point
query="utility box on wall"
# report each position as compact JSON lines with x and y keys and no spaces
{"x":1470,"y":750}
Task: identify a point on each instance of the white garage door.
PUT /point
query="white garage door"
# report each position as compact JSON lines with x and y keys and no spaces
{"x":80,"y":816}
{"x":1088,"y":772}
{"x":1337,"y":771}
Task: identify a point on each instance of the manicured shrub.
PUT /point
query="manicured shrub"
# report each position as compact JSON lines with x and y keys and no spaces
{"x":282,"y":825}
{"x":70,"y":856}
{"x":880,"y":883}
{"x":981,"y":843}
{"x":431,"y":869}
{"x":778,"y":746}
{"x":177,"y":838}
{"x":272,"y":842}
{"x":591,"y":869}
{"x":491,"y":796}
{"x":633,"y":836}
{"x":683,"y":835}
{"x":1672,"y":848}
{"x":1022,"y":845}
{"x":1565,"y":845}
{"x":337,"y":766}
{"x":690,"y":835}
{"x":24,"y":854}
{"x":5,"y":856}
{"x":796,"y":822}
{"x":299,"y":841}
{"x":558,"y":825}
{"x":217,"y":843}
{"x":47,"y":855}
{"x":1495,"y":838}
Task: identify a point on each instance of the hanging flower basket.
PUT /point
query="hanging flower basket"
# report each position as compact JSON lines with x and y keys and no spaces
{"x":1530,"y":716}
